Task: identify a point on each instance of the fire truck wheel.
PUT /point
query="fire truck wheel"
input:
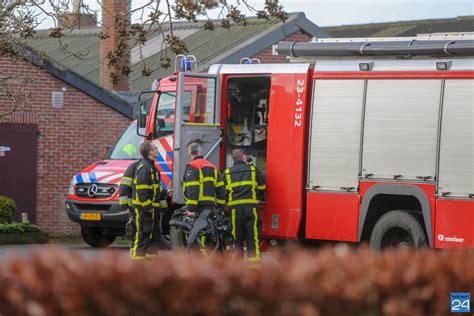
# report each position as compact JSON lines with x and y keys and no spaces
{"x":177,"y":238}
{"x":93,"y":236}
{"x":397,"y":229}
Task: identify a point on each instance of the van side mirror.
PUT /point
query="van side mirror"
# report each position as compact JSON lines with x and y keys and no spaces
{"x":144,"y":104}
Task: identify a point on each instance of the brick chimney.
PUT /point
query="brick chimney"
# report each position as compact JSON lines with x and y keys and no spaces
{"x":76,"y":19}
{"x":111,"y":9}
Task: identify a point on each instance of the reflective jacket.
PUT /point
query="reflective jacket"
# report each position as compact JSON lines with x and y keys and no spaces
{"x":125,"y":188}
{"x":147,"y":189}
{"x":244,"y":185}
{"x":199,"y":185}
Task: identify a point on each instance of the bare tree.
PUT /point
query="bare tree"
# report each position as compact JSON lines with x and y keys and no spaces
{"x":19,"y":18}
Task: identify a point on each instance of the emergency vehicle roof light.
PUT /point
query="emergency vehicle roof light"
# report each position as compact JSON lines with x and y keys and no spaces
{"x":185,"y":63}
{"x":154,"y":85}
{"x":249,"y":61}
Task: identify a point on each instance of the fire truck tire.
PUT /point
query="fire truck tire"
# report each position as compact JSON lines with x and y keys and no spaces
{"x":94,"y":237}
{"x":177,"y":238}
{"x":398,"y":229}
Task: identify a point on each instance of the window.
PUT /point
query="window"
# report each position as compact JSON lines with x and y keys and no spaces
{"x":127,"y":146}
{"x":164,"y":120}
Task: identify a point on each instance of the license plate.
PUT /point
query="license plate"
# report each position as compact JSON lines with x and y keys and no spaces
{"x":90,"y":216}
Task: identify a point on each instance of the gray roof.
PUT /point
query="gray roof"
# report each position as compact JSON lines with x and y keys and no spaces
{"x":403,"y":28}
{"x":210,"y":47}
{"x":82,"y":84}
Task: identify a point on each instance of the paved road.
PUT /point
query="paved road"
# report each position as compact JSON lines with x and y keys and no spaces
{"x":85,"y":250}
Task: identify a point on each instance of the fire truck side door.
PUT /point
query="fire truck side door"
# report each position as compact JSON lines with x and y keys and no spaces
{"x":204,"y":127}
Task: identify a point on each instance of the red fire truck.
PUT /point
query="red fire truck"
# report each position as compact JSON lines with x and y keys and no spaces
{"x":358,"y":141}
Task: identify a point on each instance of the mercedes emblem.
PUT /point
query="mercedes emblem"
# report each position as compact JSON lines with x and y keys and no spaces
{"x":92,"y":190}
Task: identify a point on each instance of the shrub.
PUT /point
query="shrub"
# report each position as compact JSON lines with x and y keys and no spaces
{"x":14,"y":228}
{"x":338,"y":281}
{"x":7,"y":209}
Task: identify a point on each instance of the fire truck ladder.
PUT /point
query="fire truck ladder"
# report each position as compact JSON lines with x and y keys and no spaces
{"x":435,"y":45}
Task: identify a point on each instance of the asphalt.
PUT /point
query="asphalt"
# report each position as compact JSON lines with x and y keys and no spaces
{"x":86,"y":251}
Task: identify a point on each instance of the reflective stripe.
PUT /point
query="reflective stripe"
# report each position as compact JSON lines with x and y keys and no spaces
{"x":192,"y":202}
{"x":123,"y":200}
{"x":219,"y":184}
{"x":209,"y":179}
{"x":241,"y":183}
{"x":144,"y":187}
{"x":255,"y":234}
{"x":130,"y":201}
{"x":133,"y":253}
{"x":219,"y":201}
{"x":233,"y":222}
{"x":155,"y":204}
{"x":202,"y":247}
{"x":126,"y":181}
{"x":207,"y":198}
{"x":244,"y":201}
{"x":229,"y":182}
{"x":261,"y":187}
{"x":191,"y":183}
{"x":254,"y":193}
{"x":142,"y":204}
{"x":203,"y":179}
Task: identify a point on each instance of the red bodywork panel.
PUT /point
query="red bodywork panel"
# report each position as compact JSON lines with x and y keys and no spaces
{"x":286,"y":155}
{"x":454,"y":224}
{"x":332,"y":216}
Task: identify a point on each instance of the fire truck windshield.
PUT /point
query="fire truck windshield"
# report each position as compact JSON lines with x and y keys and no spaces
{"x":127,"y":146}
{"x":164,"y":120}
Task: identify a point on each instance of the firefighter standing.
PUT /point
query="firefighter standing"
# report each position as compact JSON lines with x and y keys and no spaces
{"x":199,"y":190}
{"x":147,"y":193}
{"x":244,"y":187}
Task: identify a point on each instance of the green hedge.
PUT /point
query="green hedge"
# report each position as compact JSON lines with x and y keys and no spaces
{"x":15,"y":228}
{"x":22,"y":233}
{"x":7,"y":209}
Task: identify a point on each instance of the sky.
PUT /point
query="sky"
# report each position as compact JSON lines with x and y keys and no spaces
{"x":345,"y":12}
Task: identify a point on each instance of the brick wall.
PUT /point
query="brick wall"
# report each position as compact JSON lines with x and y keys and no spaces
{"x":266,"y":56}
{"x":70,"y":138}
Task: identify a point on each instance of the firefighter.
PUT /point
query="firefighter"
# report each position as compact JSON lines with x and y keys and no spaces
{"x":244,"y":187}
{"x":199,"y":190}
{"x":147,"y":193}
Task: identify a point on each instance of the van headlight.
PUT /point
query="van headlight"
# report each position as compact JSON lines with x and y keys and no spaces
{"x":71,"y":187}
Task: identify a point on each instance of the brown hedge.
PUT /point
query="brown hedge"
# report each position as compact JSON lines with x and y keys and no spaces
{"x":330,"y":281}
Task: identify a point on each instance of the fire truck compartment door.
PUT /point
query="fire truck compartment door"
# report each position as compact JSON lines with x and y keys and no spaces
{"x":204,"y":127}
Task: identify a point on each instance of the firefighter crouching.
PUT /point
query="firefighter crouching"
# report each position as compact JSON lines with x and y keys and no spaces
{"x":147,"y":193}
{"x":199,"y":190}
{"x":244,"y":187}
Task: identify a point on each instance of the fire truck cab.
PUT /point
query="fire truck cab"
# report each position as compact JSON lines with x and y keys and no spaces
{"x":361,"y":142}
